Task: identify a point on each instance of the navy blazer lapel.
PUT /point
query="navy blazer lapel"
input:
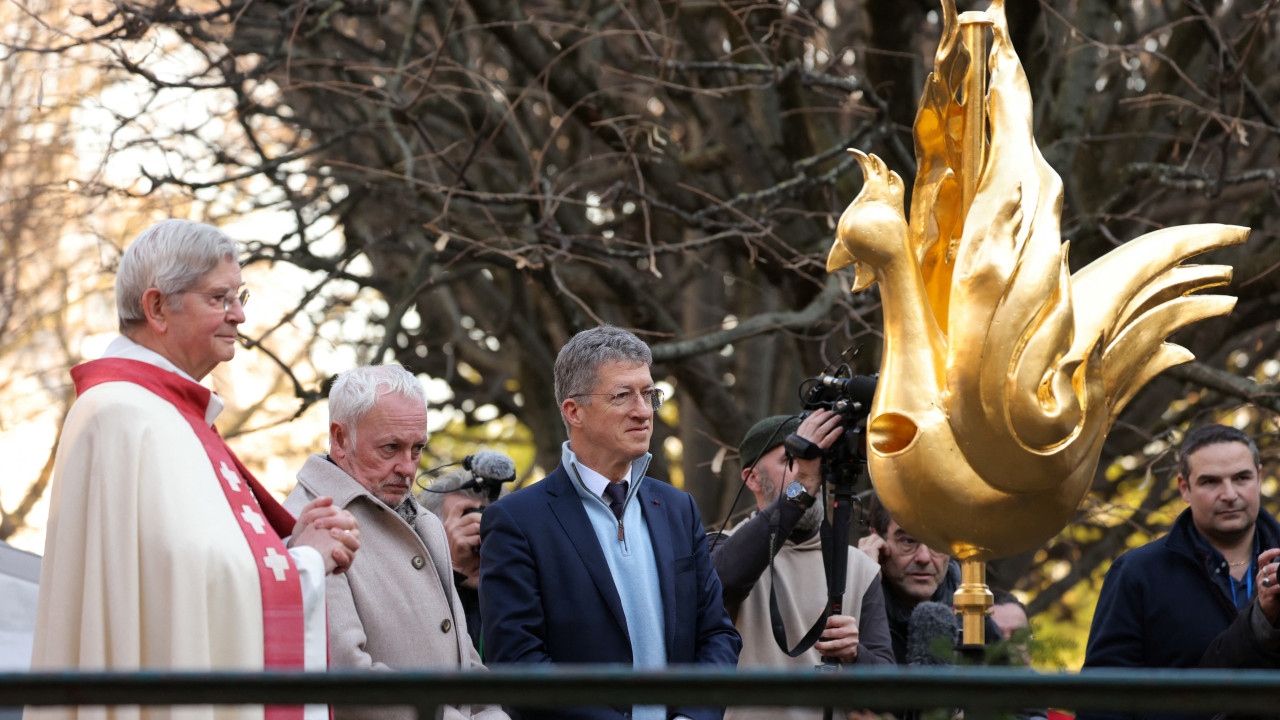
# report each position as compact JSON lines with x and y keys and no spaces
{"x":566,"y":505}
{"x":658,"y":520}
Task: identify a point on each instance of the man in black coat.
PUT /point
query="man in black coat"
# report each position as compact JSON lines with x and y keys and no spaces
{"x":1206,"y":593}
{"x":910,"y":573}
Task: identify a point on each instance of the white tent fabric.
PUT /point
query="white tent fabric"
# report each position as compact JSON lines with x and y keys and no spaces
{"x":19,"y":586}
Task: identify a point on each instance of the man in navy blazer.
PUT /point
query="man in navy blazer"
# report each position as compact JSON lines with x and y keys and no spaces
{"x":598,"y":563}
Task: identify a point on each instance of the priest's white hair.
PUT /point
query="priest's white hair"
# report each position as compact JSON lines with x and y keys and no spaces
{"x":170,"y":256}
{"x":356,"y":391}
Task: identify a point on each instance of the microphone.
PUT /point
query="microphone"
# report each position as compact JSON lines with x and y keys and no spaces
{"x":489,"y":470}
{"x":490,"y":465}
{"x":932,"y":635}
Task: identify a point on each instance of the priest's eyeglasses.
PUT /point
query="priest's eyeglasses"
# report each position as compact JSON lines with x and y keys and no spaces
{"x":651,"y":397}
{"x":228,"y":298}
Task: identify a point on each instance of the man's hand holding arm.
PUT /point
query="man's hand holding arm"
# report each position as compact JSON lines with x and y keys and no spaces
{"x":332,"y":531}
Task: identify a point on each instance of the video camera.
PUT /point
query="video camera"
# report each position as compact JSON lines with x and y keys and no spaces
{"x":849,"y":396}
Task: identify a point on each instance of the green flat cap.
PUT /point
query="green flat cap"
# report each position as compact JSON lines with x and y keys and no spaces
{"x":766,"y":435}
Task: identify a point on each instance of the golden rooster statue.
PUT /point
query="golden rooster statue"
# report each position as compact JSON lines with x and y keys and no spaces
{"x":1002,"y":371}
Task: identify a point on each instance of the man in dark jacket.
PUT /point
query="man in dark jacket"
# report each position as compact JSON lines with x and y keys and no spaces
{"x":910,"y":573}
{"x":1206,"y":592}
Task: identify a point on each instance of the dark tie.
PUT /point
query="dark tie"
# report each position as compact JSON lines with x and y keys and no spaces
{"x":617,"y":494}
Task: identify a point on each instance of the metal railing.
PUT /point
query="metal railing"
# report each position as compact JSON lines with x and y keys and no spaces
{"x":982,"y":691}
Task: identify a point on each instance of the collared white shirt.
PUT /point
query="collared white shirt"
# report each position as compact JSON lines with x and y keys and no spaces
{"x":594,"y":481}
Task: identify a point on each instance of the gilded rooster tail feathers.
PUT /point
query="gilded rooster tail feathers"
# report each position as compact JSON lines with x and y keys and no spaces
{"x":1175,"y":283}
{"x":1115,"y":290}
{"x":1131,"y":313}
{"x":1121,"y":379}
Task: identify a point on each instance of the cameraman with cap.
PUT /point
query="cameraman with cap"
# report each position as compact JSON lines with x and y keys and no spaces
{"x":456,"y":499}
{"x":790,"y":489}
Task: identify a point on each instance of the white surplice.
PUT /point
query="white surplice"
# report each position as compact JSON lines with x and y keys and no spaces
{"x":145,"y":566}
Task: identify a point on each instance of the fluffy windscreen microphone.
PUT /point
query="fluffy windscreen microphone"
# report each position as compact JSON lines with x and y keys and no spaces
{"x":490,"y":465}
{"x":932,"y":635}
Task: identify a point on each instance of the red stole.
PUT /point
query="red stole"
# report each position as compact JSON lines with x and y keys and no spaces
{"x":262,"y":519}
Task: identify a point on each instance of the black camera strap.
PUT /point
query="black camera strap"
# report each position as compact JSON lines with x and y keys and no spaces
{"x":775,"y":616}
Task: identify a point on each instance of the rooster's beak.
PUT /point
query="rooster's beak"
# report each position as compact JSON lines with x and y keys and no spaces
{"x":839,"y":257}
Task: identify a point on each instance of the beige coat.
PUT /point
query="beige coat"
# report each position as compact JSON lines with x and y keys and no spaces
{"x":396,"y":607}
{"x":801,"y":598}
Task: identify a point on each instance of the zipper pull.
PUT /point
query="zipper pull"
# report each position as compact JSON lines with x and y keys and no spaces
{"x":620,"y":535}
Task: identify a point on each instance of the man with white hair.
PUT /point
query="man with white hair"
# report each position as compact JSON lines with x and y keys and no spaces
{"x":162,"y":550}
{"x":398,"y":608}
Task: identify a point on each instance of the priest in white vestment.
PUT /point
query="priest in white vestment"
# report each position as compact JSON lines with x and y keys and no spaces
{"x":398,"y":609}
{"x":162,"y":550}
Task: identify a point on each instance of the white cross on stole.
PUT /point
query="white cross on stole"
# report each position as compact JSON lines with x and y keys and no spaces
{"x":233,"y":480}
{"x":253,"y":518}
{"x":277,"y":562}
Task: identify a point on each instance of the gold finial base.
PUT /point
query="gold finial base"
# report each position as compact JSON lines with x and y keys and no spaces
{"x":972,"y":599}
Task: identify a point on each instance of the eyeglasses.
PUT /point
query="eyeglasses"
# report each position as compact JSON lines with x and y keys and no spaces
{"x":908,"y":545}
{"x":228,"y":298}
{"x":651,"y":397}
